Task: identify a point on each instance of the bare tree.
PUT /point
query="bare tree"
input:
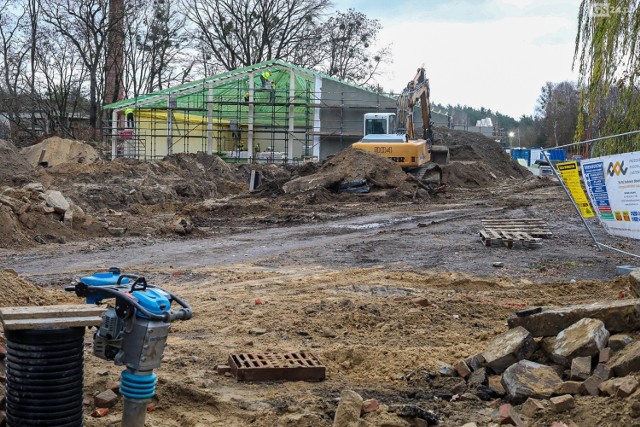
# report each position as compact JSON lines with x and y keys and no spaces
{"x":238,"y":33}
{"x":350,"y":39}
{"x":558,"y":106}
{"x":86,"y":25}
{"x":156,"y":45}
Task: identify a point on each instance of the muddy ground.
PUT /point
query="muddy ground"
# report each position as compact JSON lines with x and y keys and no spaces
{"x":381,"y":287}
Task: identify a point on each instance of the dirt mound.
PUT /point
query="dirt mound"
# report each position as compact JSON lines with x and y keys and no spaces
{"x":123,"y":183}
{"x":351,"y":165}
{"x":58,"y":151}
{"x":14,"y":169}
{"x":471,"y":146}
{"x":16,"y":291}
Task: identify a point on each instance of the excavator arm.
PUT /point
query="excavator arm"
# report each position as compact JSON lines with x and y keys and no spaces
{"x":416,"y":90}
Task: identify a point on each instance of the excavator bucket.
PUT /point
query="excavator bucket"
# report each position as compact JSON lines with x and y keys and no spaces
{"x":429,"y":173}
{"x":440,"y":154}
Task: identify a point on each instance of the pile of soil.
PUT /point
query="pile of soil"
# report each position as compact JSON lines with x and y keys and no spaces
{"x":351,"y":165}
{"x":16,"y":291}
{"x":124,"y":183}
{"x":14,"y":169}
{"x":58,"y":151}
{"x":476,"y":161}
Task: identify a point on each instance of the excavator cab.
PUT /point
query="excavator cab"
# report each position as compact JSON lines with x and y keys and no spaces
{"x":379,"y":123}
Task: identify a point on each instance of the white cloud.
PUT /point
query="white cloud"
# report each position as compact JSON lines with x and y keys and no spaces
{"x":500,"y":61}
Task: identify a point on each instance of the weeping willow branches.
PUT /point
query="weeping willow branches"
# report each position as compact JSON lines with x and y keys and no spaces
{"x":607,"y":56}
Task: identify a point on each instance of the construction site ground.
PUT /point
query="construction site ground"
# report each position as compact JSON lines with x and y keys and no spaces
{"x":380,"y":287}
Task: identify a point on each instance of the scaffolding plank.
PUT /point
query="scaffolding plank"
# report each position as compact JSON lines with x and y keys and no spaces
{"x":50,"y":317}
{"x":297,"y":366}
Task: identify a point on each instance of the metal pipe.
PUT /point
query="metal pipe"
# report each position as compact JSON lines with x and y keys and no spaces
{"x":134,"y":412}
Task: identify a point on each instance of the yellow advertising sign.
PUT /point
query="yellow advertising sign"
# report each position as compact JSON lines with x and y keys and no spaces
{"x":569,"y":173}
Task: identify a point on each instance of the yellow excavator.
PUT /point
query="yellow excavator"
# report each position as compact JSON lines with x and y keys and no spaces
{"x":398,"y":141}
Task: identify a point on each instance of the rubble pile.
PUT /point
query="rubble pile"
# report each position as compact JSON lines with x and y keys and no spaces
{"x":549,"y":356}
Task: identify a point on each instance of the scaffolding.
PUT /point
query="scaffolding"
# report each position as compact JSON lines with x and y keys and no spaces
{"x":243,"y":117}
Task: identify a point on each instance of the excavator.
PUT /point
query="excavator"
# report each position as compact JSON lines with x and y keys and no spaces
{"x":398,"y":142}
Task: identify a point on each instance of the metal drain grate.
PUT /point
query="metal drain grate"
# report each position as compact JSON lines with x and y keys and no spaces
{"x":299,"y":366}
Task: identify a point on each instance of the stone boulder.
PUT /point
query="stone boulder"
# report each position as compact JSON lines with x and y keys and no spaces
{"x":529,"y":379}
{"x":349,"y":408}
{"x":584,"y":338}
{"x":508,"y":348}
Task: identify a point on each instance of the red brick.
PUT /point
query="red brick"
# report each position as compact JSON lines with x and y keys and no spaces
{"x":462,"y":369}
{"x":605,"y":355}
{"x":106,"y":399}
{"x":508,"y":415}
{"x":370,"y":405}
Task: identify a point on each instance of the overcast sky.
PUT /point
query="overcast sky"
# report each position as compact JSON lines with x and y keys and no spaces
{"x":491,"y":53}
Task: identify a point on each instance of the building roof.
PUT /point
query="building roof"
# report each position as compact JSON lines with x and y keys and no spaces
{"x":220,"y":79}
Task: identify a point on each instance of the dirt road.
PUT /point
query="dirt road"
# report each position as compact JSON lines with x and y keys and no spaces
{"x":345,"y":290}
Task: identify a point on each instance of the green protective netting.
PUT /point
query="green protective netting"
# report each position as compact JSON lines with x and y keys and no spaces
{"x":229,"y":90}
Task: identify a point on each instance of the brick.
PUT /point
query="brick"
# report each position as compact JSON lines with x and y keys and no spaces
{"x":222,"y":369}
{"x":590,"y":385}
{"x":463,"y":369}
{"x":605,"y":355}
{"x":562,"y":403}
{"x":619,"y":387}
{"x":508,"y":415}
{"x":628,"y":386}
{"x":370,"y":405}
{"x":106,"y":399}
{"x":580,"y":368}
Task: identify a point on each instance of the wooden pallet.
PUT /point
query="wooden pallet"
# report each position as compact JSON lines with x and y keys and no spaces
{"x":507,"y":231}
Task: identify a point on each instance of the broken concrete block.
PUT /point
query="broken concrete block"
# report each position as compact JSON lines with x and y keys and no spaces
{"x":590,"y":385}
{"x":562,"y":403}
{"x":618,"y":316}
{"x":568,"y":387}
{"x":462,"y":369}
{"x":628,"y":386}
{"x":475,"y":362}
{"x":580,"y":368}
{"x":603,"y":371}
{"x":626,"y":361}
{"x":529,"y":379}
{"x":619,"y":341}
{"x":584,"y":338}
{"x":508,"y":348}
{"x":531,"y":407}
{"x":619,"y":387}
{"x":106,"y":399}
{"x":349,"y":409}
{"x":56,"y":200}
{"x":478,"y":377}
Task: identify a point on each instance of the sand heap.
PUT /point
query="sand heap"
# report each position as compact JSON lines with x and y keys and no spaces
{"x":16,"y":291}
{"x":58,"y":151}
{"x":13,"y":167}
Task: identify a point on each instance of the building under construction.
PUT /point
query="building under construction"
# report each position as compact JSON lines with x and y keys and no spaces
{"x":295,"y":114}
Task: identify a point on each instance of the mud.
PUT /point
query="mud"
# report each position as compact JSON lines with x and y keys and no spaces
{"x":382,"y":288}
